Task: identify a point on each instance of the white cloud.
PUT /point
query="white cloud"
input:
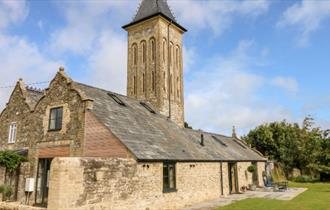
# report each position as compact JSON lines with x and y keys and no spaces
{"x":287,"y":83}
{"x":85,"y":22}
{"x":307,"y":16}
{"x":108,"y":67}
{"x":225,"y":93}
{"x":21,"y":59}
{"x":217,"y":15}
{"x":12,"y":12}
{"x":189,"y":56}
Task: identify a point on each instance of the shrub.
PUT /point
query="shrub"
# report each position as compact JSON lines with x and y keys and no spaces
{"x":252,"y":168}
{"x":304,"y":178}
{"x":6,"y":190}
{"x":11,"y":160}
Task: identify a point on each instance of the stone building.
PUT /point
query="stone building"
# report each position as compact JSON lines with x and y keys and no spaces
{"x":90,"y":148}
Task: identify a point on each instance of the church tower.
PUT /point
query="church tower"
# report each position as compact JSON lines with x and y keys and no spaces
{"x":155,"y":67}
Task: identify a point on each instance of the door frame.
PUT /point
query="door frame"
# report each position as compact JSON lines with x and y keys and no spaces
{"x":232,"y":165}
{"x":44,"y":180}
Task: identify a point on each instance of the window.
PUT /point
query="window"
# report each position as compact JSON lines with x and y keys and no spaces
{"x":135,"y":54}
{"x":153,"y":50}
{"x":116,"y":99}
{"x":164,"y":50}
{"x":12,"y":133}
{"x":55,"y":119}
{"x":171,"y":53}
{"x":147,"y":107}
{"x":134,"y":85}
{"x":143,"y":83}
{"x":164,"y":77}
{"x":144,"y":52}
{"x":219,"y":141}
{"x":169,"y":177}
{"x":177,"y":57}
{"x":153,"y":82}
{"x":178,"y":87}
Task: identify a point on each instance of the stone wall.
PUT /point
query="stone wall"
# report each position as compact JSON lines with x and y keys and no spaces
{"x":82,"y":183}
{"x":139,"y":74}
{"x":2,"y":178}
{"x":261,"y":170}
{"x":244,"y":177}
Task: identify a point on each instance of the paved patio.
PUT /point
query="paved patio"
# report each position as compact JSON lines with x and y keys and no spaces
{"x":210,"y":205}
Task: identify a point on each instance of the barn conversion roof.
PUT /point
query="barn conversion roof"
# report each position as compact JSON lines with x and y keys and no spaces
{"x":151,"y":136}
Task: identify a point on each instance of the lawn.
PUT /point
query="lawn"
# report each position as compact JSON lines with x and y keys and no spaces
{"x":317,"y":197}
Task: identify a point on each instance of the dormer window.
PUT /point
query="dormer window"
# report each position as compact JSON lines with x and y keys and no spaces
{"x":55,"y":119}
{"x":12,"y":133}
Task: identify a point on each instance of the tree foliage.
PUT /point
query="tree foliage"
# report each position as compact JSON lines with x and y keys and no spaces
{"x":11,"y":160}
{"x":293,"y":146}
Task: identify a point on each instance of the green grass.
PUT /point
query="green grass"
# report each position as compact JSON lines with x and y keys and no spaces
{"x":317,"y":197}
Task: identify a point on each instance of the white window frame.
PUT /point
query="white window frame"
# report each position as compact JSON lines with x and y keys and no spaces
{"x":12,"y":133}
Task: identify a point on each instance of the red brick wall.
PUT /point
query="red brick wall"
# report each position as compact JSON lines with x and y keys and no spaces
{"x":100,"y":141}
{"x":56,"y":151}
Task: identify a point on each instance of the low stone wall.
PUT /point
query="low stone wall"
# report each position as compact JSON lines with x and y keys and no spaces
{"x":17,"y":206}
{"x":121,"y":184}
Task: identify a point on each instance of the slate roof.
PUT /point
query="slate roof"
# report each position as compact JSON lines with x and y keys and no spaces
{"x":34,"y":96}
{"x":151,"y":8}
{"x":152,"y":137}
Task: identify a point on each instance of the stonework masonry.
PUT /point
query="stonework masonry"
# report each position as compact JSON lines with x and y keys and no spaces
{"x":117,"y":184}
{"x":148,"y":59}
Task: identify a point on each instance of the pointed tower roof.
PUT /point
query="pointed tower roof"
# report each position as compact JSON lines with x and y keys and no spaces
{"x":151,"y":8}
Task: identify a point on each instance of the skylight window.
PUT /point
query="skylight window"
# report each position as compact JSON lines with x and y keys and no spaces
{"x":219,"y":141}
{"x":147,"y":107}
{"x":239,"y":143}
{"x":116,"y":99}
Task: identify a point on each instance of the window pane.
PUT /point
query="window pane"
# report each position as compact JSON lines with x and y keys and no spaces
{"x":165,"y":177}
{"x":172,"y":176}
{"x":52,"y":114}
{"x":52,"y":124}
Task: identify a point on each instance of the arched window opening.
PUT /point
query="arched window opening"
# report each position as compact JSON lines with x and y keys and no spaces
{"x":144,"y":52}
{"x":171,"y":54}
{"x":164,"y":50}
{"x":178,"y":87}
{"x":153,"y":49}
{"x":164,"y":79}
{"x":177,"y":57}
{"x":153,"y":84}
{"x":143,"y":84}
{"x":171,"y":84}
{"x":134,"y":85}
{"x":135,"y":54}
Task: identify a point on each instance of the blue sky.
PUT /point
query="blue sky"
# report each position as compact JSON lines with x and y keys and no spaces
{"x":245,"y":62}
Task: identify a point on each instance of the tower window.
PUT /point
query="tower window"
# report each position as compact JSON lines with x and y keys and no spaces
{"x":135,"y":54}
{"x":164,"y":50}
{"x":171,"y":53}
{"x":164,"y":79}
{"x":143,"y":83}
{"x":178,"y":88}
{"x":177,"y":57}
{"x":144,"y":52}
{"x":171,"y":83}
{"x":153,"y":49}
{"x":153,"y":80}
{"x":134,"y":85}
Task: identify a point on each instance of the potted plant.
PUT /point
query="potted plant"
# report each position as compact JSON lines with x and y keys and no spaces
{"x":252,"y":169}
{"x":6,"y":191}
